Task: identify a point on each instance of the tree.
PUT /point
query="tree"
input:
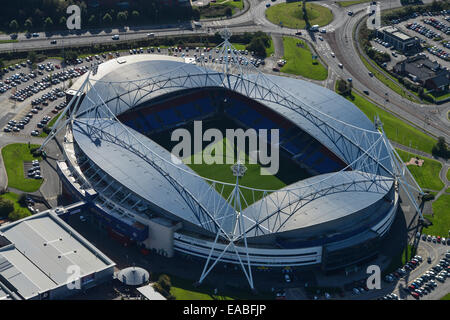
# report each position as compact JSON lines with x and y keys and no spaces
{"x":91,"y":20}
{"x":2,"y":64}
{"x":63,"y":21}
{"x":14,"y":25}
{"x":122,"y":16}
{"x":440,"y":149}
{"x":107,"y":18}
{"x":164,"y":282}
{"x":228,"y":12}
{"x":22,"y":200}
{"x":257,"y":45}
{"x":6,"y":207}
{"x":48,"y":23}
{"x":28,"y":24}
{"x":32,"y":56}
{"x":135,"y":14}
{"x":305,"y":15}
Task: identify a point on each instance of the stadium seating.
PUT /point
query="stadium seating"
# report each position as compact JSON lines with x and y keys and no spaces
{"x":301,"y":146}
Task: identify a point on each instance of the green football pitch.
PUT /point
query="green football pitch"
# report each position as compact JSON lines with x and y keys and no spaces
{"x":254,"y":177}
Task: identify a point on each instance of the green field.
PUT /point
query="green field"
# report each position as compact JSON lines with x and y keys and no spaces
{"x":14,"y":156}
{"x":229,"y":3}
{"x":222,"y":172}
{"x":183,"y":289}
{"x":9,"y":41}
{"x":290,"y":15}
{"x":446,"y":297}
{"x":19,"y":211}
{"x":440,"y":218}
{"x":299,"y":60}
{"x":427,"y":176}
{"x":396,"y":129}
{"x":344,"y":4}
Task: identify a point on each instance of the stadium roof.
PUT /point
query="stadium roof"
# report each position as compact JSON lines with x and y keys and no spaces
{"x":154,"y":77}
{"x":41,"y":249}
{"x":116,"y":89}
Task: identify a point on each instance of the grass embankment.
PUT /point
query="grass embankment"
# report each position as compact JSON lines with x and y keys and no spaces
{"x":390,"y":82}
{"x":291,"y":15}
{"x":300,"y":62}
{"x":8,"y":41}
{"x":427,"y":176}
{"x":183,"y":289}
{"x":50,"y":125}
{"x":229,"y":3}
{"x":14,"y":155}
{"x":396,"y":129}
{"x":344,"y":4}
{"x":441,"y":217}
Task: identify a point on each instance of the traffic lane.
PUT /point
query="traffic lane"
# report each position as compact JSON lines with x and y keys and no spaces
{"x":346,"y":52}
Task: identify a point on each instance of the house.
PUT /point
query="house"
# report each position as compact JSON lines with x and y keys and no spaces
{"x":425,"y":72}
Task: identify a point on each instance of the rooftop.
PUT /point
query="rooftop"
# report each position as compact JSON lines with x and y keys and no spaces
{"x":395,"y":32}
{"x":42,"y":247}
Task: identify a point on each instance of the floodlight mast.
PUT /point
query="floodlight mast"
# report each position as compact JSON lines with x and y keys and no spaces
{"x":238,"y":231}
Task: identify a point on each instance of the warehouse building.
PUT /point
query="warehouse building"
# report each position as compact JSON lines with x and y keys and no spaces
{"x":41,"y":257}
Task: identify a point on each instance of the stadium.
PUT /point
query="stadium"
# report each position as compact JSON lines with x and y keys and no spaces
{"x":333,"y":200}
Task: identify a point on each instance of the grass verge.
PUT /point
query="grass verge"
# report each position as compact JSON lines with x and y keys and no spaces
{"x":441,"y":217}
{"x":300,"y":62}
{"x":344,"y":4}
{"x":290,"y":15}
{"x":14,"y":155}
{"x":427,"y":176}
{"x":396,"y":129}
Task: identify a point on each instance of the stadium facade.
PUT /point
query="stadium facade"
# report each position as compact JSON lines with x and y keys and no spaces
{"x":334,"y":218}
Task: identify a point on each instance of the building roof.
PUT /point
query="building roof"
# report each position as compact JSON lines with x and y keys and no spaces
{"x":149,"y":292}
{"x":441,"y":80}
{"x":393,"y":31}
{"x":42,"y":248}
{"x":422,"y":67}
{"x":133,"y":276}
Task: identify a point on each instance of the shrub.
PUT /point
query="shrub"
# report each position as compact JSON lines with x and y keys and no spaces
{"x":23,"y":200}
{"x":6,"y":207}
{"x":440,"y":149}
{"x":164,"y":282}
{"x":160,"y":289}
{"x":428,"y":197}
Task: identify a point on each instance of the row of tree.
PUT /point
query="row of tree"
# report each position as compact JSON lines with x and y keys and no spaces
{"x":33,"y":15}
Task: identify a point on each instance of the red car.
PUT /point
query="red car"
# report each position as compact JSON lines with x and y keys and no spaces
{"x":415,"y":295}
{"x":57,"y":66}
{"x":438,"y":239}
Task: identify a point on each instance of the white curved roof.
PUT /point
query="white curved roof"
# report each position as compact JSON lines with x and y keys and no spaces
{"x":156,"y":77}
